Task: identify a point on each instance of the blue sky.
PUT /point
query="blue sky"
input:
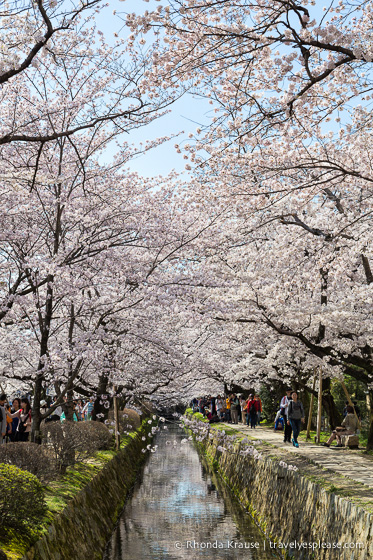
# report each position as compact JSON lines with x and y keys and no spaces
{"x":186,"y":114}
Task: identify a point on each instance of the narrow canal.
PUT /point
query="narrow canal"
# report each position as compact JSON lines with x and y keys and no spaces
{"x":179,"y":509}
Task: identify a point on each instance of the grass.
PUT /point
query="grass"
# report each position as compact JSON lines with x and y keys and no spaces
{"x":59,"y":492}
{"x":57,"y":495}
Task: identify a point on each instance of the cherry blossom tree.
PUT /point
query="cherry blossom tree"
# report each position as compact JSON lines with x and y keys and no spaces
{"x":289,"y":153}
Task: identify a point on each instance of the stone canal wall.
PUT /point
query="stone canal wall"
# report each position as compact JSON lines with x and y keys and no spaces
{"x":83,"y":528}
{"x":292,"y":510}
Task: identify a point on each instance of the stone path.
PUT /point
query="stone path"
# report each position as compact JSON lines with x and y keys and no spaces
{"x":342,"y":461}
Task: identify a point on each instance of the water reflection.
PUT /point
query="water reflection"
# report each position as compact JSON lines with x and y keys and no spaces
{"x":180,"y":510}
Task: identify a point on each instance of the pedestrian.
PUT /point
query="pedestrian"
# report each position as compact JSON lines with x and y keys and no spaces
{"x":16,"y":405}
{"x":279,"y":421}
{"x":349,"y":426}
{"x":253,"y":408}
{"x":259,"y":408}
{"x":78,"y":410}
{"x":9,"y":422}
{"x":250,"y":398}
{"x":234,"y":408}
{"x":243,"y":409}
{"x":213,"y":406}
{"x":284,"y":405}
{"x":295,"y":416}
{"x":3,"y":415}
{"x":88,"y":409}
{"x":57,"y":412}
{"x":219,"y":405}
{"x":228,"y":409}
{"x":24,"y":424}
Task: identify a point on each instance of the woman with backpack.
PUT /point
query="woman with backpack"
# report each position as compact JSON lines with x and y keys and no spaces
{"x":295,"y":417}
{"x":24,"y":424}
{"x":253,"y":407}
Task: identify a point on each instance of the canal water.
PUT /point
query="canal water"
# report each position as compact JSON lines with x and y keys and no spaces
{"x":179,"y":509}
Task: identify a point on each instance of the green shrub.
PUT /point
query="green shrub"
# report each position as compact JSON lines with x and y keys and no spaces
{"x":93,"y":436}
{"x":129,"y":420}
{"x":22,"y":503}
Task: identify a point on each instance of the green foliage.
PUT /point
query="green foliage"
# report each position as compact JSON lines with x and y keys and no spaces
{"x":356,"y":390}
{"x":270,"y":402}
{"x":22,"y":501}
{"x":200,"y":417}
{"x":129,"y":420}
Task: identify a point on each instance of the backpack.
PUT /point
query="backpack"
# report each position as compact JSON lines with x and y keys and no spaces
{"x":21,"y":428}
{"x":252,"y":409}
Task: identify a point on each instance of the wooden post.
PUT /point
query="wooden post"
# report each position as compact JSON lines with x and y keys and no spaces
{"x":116,"y":420}
{"x":311,"y":407}
{"x":350,"y":401}
{"x":319,"y":410}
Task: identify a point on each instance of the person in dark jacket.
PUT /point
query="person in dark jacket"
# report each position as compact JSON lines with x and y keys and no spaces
{"x":253,"y":407}
{"x":16,"y":406}
{"x":284,"y":405}
{"x":295,"y":417}
{"x":3,"y":423}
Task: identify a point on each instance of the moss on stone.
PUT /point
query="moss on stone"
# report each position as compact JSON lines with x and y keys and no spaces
{"x":83,"y":506}
{"x":312,"y":504}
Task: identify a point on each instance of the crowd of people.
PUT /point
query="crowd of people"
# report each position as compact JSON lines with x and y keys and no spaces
{"x":15,"y":415}
{"x":15,"y":420}
{"x":232,"y":409}
{"x":289,"y":419}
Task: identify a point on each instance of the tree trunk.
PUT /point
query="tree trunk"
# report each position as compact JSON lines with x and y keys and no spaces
{"x":35,"y":413}
{"x":328,"y":403}
{"x":68,"y":406}
{"x":98,"y":408}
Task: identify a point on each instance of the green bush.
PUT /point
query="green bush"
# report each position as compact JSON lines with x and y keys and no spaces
{"x":22,"y":503}
{"x":129,"y":420}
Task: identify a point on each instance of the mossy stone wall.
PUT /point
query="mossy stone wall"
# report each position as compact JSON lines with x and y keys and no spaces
{"x":290,"y":508}
{"x":83,"y":528}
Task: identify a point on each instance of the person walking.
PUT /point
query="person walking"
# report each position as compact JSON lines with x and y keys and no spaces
{"x":228,"y":409}
{"x":253,"y":409}
{"x":259,"y":408}
{"x":250,"y":398}
{"x":243,"y":409}
{"x":284,"y":405}
{"x":3,"y":415}
{"x":219,"y":404}
{"x":16,"y":405}
{"x":296,"y":416}
{"x":234,"y":409}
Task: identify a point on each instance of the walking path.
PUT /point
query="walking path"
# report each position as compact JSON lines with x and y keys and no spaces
{"x":340,"y":460}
